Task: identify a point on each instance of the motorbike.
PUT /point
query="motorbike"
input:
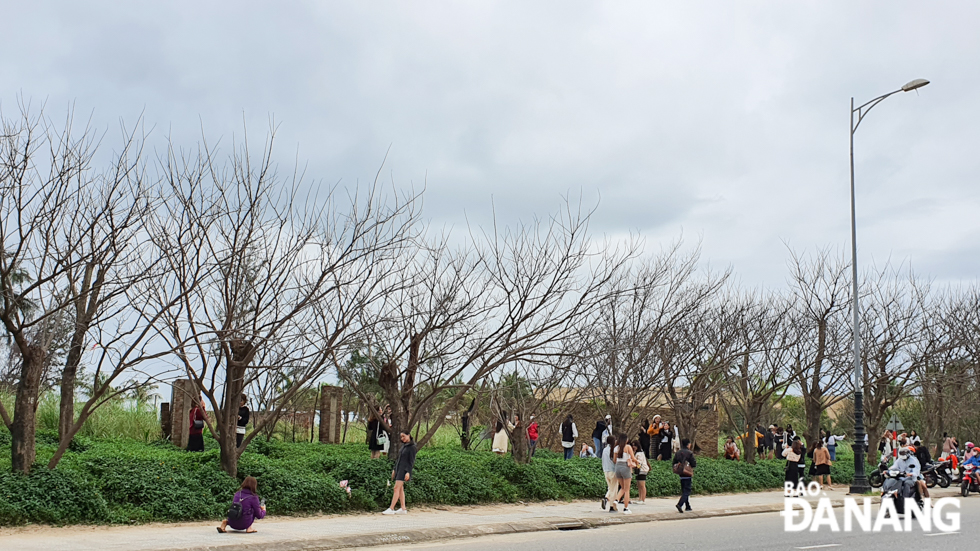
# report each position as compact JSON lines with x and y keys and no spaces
{"x":935,"y":473}
{"x":898,"y":487}
{"x":877,"y":477}
{"x":971,"y":481}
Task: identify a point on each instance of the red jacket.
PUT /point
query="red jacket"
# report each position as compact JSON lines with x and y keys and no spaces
{"x":196,"y":414}
{"x":532,"y":431}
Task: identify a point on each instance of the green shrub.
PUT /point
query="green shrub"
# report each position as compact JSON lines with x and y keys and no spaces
{"x":55,"y":497}
{"x":123,"y":481}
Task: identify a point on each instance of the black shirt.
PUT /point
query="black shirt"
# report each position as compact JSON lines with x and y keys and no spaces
{"x":600,"y":427}
{"x":685,"y":454}
{"x":243,"y":416}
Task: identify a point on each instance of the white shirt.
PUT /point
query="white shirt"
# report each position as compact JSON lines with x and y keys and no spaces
{"x":832,"y":440}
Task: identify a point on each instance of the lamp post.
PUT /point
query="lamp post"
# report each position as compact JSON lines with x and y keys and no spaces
{"x":860,"y":484}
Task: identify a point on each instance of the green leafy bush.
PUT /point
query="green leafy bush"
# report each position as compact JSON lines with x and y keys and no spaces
{"x":123,"y":481}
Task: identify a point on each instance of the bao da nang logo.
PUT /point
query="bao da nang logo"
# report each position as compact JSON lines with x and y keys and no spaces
{"x":800,"y":514}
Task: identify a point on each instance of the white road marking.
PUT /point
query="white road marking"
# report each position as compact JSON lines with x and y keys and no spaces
{"x":821,"y":546}
{"x":942,"y":534}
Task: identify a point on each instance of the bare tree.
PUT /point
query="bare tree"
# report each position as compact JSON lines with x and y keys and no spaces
{"x":512,"y":296}
{"x":892,"y":318}
{"x":821,"y":294}
{"x":696,"y":354}
{"x":620,"y":366}
{"x":761,"y":373}
{"x":279,"y":280}
{"x":44,"y":171}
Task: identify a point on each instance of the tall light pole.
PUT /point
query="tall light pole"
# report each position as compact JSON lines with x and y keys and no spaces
{"x":860,"y":484}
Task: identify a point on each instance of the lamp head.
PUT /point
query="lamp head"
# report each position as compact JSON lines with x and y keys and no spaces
{"x":915,"y":84}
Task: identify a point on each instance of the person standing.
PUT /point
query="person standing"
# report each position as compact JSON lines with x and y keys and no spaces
{"x":888,"y":445}
{"x":642,"y":469}
{"x":243,"y":415}
{"x":625,"y":460}
{"x":643,"y":440}
{"x":251,"y":508}
{"x":377,"y":437}
{"x":402,"y":473}
{"x":792,"y":456}
{"x":654,"y":432}
{"x":664,"y":452}
{"x":195,"y":431}
{"x":569,"y":432}
{"x":386,"y":417}
{"x":532,"y":435}
{"x":761,"y":441}
{"x":609,"y":428}
{"x":609,"y":472}
{"x":684,"y":458}
{"x":832,"y":440}
{"x":597,"y":436}
{"x":914,"y":438}
{"x":821,"y":457}
{"x":500,"y":438}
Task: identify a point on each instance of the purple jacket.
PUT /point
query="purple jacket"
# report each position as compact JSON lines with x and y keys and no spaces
{"x":251,"y":510}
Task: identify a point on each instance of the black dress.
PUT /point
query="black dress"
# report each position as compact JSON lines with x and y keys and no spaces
{"x":664,"y":450}
{"x":243,"y":415}
{"x":644,"y":441}
{"x":373,"y":430}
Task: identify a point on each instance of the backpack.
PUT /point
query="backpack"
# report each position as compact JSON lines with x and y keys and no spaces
{"x":235,"y":510}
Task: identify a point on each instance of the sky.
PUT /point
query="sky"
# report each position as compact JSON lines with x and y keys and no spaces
{"x":724,"y":122}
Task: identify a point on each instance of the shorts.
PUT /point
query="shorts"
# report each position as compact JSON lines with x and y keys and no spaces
{"x":823,"y":470}
{"x":641,"y":476}
{"x":623,"y":471}
{"x":400,"y":475}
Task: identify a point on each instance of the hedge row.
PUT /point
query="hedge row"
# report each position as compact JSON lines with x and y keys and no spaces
{"x":131,"y":482}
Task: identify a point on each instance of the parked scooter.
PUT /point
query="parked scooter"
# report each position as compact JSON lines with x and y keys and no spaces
{"x":877,"y":477}
{"x":898,"y":487}
{"x":935,"y":473}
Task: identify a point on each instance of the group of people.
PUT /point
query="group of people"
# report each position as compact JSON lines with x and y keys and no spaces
{"x":657,"y":439}
{"x":622,"y":459}
{"x":198,"y":418}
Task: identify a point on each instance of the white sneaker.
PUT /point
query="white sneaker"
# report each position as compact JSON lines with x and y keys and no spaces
{"x":388,"y":511}
{"x":401,"y":512}
{"x":612,"y":507}
{"x":638,"y":503}
{"x":627,"y":511}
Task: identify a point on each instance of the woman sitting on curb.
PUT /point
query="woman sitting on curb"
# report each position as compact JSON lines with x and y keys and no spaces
{"x":251,"y":510}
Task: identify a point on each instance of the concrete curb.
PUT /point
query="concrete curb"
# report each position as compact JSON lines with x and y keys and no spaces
{"x":453,"y":532}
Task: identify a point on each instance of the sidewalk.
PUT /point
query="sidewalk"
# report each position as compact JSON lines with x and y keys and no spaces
{"x":367,"y":529}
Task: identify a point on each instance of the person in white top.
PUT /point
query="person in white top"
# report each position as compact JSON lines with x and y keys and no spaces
{"x":609,"y":471}
{"x":831,"y":442}
{"x":587,"y":451}
{"x":609,"y":428}
{"x":643,"y":467}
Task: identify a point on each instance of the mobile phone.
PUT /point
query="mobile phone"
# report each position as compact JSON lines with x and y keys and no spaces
{"x":262,"y":502}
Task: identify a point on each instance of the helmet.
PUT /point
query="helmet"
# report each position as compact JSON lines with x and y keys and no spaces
{"x":904,"y":452}
{"x":969,"y":445}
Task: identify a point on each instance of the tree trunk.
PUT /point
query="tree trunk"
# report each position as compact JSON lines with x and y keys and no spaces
{"x":226,"y":419}
{"x":519,"y":445}
{"x":66,"y":410}
{"x":24,"y":426}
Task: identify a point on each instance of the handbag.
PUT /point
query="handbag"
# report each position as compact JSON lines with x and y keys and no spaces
{"x":198,"y":424}
{"x":381,"y":437}
{"x":683,"y":469}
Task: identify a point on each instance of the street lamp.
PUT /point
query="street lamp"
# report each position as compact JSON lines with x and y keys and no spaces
{"x":860,"y":484}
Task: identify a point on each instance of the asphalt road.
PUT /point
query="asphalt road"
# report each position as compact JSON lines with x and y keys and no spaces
{"x":758,"y":532}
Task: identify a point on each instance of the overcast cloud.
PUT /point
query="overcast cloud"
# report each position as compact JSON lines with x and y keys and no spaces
{"x":725,"y":120}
